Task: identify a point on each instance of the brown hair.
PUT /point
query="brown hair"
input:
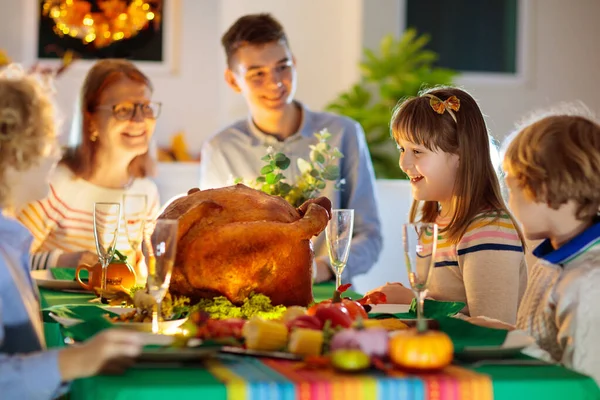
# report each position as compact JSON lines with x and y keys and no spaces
{"x":80,"y":156}
{"x":27,"y":122}
{"x":252,"y":29}
{"x":476,"y":188}
{"x":556,"y":160}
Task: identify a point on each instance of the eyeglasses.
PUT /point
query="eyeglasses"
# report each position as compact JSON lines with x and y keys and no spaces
{"x":126,"y":111}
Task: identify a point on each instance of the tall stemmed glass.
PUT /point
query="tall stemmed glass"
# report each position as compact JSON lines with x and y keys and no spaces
{"x":339,"y":236}
{"x":135,"y":212}
{"x":420,"y":244}
{"x":107,"y":217}
{"x":159,"y":247}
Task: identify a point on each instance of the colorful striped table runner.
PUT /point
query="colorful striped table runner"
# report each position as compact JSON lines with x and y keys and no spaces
{"x":252,"y":379}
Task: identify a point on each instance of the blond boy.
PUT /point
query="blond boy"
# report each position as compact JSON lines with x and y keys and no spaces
{"x":553,"y":176}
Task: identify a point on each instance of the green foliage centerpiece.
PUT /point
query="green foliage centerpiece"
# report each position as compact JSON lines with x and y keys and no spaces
{"x":322,"y":167}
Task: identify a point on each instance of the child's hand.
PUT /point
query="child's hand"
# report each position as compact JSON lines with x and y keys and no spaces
{"x":110,"y":351}
{"x":396,"y":293}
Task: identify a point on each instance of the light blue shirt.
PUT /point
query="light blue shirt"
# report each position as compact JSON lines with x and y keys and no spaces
{"x":27,"y":370}
{"x":236,"y":152}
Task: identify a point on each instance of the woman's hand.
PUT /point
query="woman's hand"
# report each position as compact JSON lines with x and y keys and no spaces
{"x":73,"y":260}
{"x":396,"y":293}
{"x":110,"y":351}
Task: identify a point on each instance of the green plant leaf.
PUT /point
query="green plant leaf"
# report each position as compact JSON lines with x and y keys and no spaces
{"x":261,"y":179}
{"x":317,"y":157}
{"x":331,"y":173}
{"x":284,"y":189}
{"x":266,"y":158}
{"x":280,"y":157}
{"x":321,"y":185}
{"x":267,"y":169}
{"x":271,"y":178}
{"x":283,"y":164}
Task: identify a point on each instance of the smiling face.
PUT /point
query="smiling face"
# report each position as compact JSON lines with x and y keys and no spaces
{"x":129,"y":137}
{"x":265,"y":75}
{"x":432,"y":173}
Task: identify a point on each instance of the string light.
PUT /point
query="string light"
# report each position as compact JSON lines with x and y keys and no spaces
{"x":110,"y":21}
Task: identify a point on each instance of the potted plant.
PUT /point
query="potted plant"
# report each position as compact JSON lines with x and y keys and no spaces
{"x":401,"y":68}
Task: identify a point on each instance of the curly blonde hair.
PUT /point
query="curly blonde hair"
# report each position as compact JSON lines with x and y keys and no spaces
{"x":27,"y":121}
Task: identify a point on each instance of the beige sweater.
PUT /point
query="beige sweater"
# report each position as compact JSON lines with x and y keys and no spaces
{"x":561,"y":307}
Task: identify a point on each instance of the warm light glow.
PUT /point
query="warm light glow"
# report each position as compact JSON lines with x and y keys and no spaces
{"x":116,"y":19}
{"x":88,"y":21}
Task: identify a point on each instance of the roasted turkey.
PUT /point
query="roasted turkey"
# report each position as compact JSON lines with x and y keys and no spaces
{"x":236,"y":240}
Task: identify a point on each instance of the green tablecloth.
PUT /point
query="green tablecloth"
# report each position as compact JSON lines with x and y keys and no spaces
{"x":509,"y":382}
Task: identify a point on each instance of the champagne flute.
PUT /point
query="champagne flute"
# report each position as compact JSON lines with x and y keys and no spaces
{"x":135,"y":208}
{"x":339,"y":236}
{"x":420,"y":245}
{"x":107,"y":217}
{"x":159,"y":247}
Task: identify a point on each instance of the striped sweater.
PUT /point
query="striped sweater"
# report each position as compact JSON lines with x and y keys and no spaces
{"x":486,"y":269}
{"x":63,"y":222}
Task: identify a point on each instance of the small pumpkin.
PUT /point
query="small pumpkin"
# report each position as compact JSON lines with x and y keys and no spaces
{"x":429,"y":350}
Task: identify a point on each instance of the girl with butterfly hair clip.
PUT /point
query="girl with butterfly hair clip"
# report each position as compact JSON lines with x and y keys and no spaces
{"x":445,"y":150}
{"x":28,"y":154}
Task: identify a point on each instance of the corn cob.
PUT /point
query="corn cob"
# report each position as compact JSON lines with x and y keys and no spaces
{"x":265,"y":335}
{"x":306,"y":342}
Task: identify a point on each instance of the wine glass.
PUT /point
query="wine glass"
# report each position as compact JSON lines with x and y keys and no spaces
{"x":339,"y":236}
{"x":135,"y":213}
{"x":107,"y":217}
{"x":420,"y":244}
{"x":159,"y":246}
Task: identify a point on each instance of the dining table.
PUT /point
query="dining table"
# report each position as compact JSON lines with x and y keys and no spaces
{"x":235,"y":377}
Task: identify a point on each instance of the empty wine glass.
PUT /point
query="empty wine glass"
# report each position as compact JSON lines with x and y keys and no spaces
{"x":107,"y":217}
{"x":420,"y":244}
{"x":339,"y":236}
{"x":135,"y":208}
{"x":159,"y":247}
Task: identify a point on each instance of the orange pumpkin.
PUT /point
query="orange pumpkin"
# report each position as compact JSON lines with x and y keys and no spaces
{"x":427,"y":350}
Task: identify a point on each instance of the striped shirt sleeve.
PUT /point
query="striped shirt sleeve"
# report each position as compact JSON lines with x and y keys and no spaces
{"x":39,"y":218}
{"x":492,"y":263}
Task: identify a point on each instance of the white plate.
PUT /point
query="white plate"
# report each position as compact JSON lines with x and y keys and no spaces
{"x":168,"y":327}
{"x":389,"y":308}
{"x":43,"y":278}
{"x":513,"y":344}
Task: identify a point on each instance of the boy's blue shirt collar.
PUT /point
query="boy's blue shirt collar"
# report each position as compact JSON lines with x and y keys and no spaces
{"x":570,"y":250}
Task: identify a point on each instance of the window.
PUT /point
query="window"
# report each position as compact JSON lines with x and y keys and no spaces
{"x":468,"y":35}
